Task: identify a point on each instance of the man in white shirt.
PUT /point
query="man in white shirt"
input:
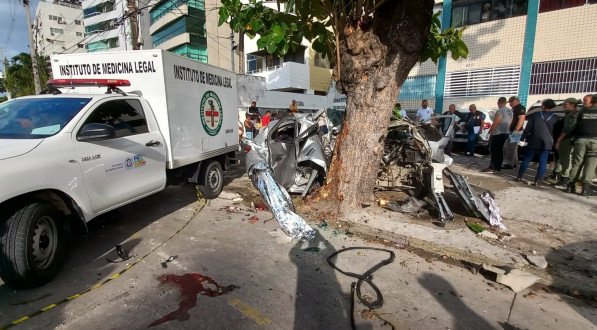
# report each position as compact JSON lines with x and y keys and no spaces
{"x":424,"y":113}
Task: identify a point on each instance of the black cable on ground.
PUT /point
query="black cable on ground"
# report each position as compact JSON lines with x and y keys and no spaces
{"x":364,"y":277}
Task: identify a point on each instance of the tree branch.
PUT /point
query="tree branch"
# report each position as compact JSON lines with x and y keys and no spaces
{"x":377,"y":5}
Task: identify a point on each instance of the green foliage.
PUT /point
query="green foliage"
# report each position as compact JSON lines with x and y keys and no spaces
{"x":19,"y":74}
{"x":441,"y":42}
{"x":279,"y":32}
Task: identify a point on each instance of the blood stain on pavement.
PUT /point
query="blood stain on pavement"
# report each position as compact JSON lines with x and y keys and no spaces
{"x":190,"y":286}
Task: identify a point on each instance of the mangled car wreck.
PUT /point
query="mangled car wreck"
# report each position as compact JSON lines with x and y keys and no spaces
{"x":298,"y":151}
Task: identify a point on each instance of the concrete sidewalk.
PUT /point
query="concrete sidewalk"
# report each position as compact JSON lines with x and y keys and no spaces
{"x":544,"y":221}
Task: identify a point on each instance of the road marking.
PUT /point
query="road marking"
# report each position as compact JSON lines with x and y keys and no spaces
{"x":250,"y":312}
{"x":201,"y":203}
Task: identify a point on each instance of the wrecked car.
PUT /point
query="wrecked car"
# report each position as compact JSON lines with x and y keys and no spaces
{"x":298,"y":150}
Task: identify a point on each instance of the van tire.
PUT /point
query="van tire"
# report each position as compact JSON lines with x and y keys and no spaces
{"x":32,"y":245}
{"x":212,"y":179}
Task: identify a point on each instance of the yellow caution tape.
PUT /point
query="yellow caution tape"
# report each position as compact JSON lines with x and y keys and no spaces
{"x":201,"y":203}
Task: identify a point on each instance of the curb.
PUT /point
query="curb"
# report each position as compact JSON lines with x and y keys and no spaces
{"x":463,"y":258}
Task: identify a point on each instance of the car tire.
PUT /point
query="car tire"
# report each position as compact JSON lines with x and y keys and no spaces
{"x":32,"y":245}
{"x":212,"y":179}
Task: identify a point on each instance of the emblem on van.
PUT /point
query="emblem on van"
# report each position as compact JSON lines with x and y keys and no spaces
{"x":211,"y":113}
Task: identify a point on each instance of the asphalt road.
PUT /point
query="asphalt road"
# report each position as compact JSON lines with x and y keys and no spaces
{"x":227,"y":272}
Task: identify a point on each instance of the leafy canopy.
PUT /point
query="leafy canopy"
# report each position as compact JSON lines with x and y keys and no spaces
{"x":319,"y":22}
{"x":19,"y":74}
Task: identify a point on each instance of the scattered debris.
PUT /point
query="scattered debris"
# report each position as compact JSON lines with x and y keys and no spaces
{"x":170,"y":259}
{"x":323,"y":224}
{"x":488,"y":234}
{"x":494,"y":212}
{"x":253,"y":220}
{"x":475,"y":227}
{"x":237,"y":200}
{"x":515,"y":279}
{"x":367,"y":314}
{"x":413,"y":205}
{"x":260,"y":206}
{"x":506,"y":237}
{"x":229,"y":195}
{"x":360,"y":253}
{"x":537,"y":261}
{"x":312,"y":249}
{"x":122,"y":254}
{"x":530,"y":294}
{"x":232,"y":209}
{"x":280,"y":236}
{"x":382,"y":202}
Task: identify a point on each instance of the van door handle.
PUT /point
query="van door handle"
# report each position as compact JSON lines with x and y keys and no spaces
{"x":152,"y":143}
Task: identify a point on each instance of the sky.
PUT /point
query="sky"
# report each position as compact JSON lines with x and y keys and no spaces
{"x":17,"y":41}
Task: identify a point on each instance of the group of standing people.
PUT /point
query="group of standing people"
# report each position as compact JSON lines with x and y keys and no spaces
{"x":573,"y":137}
{"x":254,"y":121}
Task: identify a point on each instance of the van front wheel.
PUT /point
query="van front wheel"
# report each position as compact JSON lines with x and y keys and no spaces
{"x":32,"y":243}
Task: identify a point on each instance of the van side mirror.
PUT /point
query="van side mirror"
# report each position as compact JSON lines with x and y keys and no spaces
{"x":96,"y":132}
{"x":335,"y":130}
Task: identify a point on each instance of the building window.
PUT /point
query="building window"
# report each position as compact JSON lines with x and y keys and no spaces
{"x":483,"y":82}
{"x":254,"y":63}
{"x":77,"y":22}
{"x":194,"y":52}
{"x":53,"y":18}
{"x":194,"y":24}
{"x":467,"y":12}
{"x":79,"y":34}
{"x":550,"y":5}
{"x":56,"y":32}
{"x":101,"y":27}
{"x":169,"y":6}
{"x":298,"y":56}
{"x":102,"y":45}
{"x":103,"y":7}
{"x":418,"y":88}
{"x":321,"y":62}
{"x":562,"y":77}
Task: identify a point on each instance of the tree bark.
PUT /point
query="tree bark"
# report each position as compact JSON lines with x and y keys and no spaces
{"x":376,"y":55}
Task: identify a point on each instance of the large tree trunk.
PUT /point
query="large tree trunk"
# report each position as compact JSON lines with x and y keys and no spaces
{"x":376,"y":56}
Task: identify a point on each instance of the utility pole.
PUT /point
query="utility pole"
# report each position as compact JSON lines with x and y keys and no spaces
{"x":32,"y":49}
{"x":134,"y":21}
{"x":241,"y":51}
{"x":232,"y":47}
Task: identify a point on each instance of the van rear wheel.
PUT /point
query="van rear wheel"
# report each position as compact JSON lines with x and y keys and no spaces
{"x":212,"y":179}
{"x":32,"y":243}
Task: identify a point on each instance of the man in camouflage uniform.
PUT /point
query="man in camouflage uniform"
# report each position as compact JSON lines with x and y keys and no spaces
{"x":565,"y":143}
{"x":585,"y":147}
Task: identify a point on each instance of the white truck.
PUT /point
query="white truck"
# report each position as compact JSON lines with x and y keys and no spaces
{"x":78,"y":151}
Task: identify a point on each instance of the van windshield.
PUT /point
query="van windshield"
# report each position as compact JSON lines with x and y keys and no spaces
{"x":37,"y":118}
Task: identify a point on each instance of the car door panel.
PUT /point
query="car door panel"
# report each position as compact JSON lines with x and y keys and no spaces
{"x":123,"y":168}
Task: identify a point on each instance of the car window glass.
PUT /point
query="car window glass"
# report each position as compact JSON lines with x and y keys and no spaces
{"x":284,"y":133}
{"x":126,"y":116}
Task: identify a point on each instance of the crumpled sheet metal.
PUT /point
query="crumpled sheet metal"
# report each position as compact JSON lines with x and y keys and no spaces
{"x":279,"y":202}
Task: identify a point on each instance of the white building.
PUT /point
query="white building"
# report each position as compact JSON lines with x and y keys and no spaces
{"x":105,"y":26}
{"x":303,"y":71}
{"x":59,"y":27}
